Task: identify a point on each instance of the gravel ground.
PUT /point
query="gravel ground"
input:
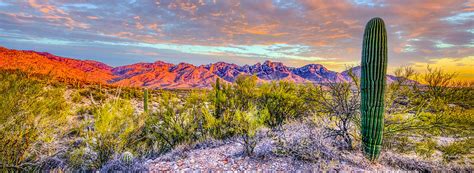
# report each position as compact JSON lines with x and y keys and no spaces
{"x":228,"y":156}
{"x":298,"y":147}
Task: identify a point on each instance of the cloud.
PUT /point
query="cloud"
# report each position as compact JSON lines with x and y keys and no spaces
{"x":294,"y":31}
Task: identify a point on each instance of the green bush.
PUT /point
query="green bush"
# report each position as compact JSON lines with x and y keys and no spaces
{"x":426,"y":147}
{"x":219,"y":128}
{"x":76,"y":97}
{"x":458,"y":149}
{"x":244,"y":92}
{"x":173,"y":124}
{"x":31,"y":116}
{"x":95,"y":94}
{"x":246,"y":124}
{"x":282,"y":101}
{"x":114,"y":122}
{"x":81,"y":159}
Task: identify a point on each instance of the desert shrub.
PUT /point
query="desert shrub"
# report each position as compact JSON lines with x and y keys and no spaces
{"x":95,"y":94}
{"x":175,"y":121}
{"x":226,"y":101}
{"x":244,"y":92}
{"x":437,"y":81}
{"x":302,"y":141}
{"x":124,"y":162}
{"x":76,"y":97}
{"x":462,"y":94}
{"x":458,"y":149}
{"x":219,"y":128}
{"x":457,"y":122}
{"x":420,"y":112}
{"x":400,"y":95}
{"x":426,"y":147}
{"x":452,"y":122}
{"x":173,"y":124}
{"x":282,"y":101}
{"x":106,"y":133}
{"x":340,"y":104}
{"x":31,"y":117}
{"x":401,"y":144}
{"x":131,"y":93}
{"x":246,"y":124}
{"x":196,"y":107}
{"x":81,"y":158}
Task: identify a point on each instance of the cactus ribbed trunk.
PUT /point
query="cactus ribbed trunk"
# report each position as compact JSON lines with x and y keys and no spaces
{"x":218,"y":105}
{"x":145,"y":100}
{"x":373,"y":82}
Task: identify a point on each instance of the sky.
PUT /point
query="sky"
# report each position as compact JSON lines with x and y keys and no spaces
{"x":439,"y":33}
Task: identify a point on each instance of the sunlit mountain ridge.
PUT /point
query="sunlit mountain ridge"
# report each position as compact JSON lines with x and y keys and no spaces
{"x":164,"y":75}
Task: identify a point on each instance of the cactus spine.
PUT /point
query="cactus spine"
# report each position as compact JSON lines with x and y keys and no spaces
{"x":373,"y":81}
{"x":145,"y":100}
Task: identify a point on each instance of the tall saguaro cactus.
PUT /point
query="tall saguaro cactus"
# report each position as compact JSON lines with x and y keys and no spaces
{"x":145,"y":100}
{"x":373,"y":81}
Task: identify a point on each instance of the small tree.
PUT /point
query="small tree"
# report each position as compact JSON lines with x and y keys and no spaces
{"x":437,"y":81}
{"x":245,"y":92}
{"x":340,"y":102}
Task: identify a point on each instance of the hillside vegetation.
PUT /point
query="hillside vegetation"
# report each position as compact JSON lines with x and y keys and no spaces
{"x":47,"y":125}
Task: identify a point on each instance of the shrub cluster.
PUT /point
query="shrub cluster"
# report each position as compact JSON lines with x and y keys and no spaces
{"x":46,"y":126}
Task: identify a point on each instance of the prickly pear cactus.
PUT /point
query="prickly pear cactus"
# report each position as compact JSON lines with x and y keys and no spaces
{"x":373,"y":82}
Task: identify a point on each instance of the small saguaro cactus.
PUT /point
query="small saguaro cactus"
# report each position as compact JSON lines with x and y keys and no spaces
{"x":373,"y":82}
{"x":145,"y":100}
{"x":218,"y":93}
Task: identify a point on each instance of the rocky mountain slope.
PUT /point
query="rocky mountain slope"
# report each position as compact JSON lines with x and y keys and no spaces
{"x":164,"y":75}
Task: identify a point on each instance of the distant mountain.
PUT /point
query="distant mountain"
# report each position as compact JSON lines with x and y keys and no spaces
{"x":318,"y":73}
{"x":356,"y":71}
{"x":165,"y":75}
{"x":45,"y":63}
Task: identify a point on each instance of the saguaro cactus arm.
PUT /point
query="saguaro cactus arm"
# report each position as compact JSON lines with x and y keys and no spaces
{"x":373,"y":82}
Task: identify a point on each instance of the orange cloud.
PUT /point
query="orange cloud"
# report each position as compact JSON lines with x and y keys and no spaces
{"x":56,"y":15}
{"x":93,"y":17}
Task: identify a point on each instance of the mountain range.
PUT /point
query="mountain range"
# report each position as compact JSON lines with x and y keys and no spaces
{"x":164,"y":75}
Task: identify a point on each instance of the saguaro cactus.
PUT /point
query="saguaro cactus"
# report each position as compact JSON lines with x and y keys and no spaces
{"x":218,"y":98}
{"x":145,"y":100}
{"x":373,"y":81}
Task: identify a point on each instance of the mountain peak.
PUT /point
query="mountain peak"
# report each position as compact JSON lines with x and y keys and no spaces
{"x":161,"y":74}
{"x":159,"y":62}
{"x":272,"y":63}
